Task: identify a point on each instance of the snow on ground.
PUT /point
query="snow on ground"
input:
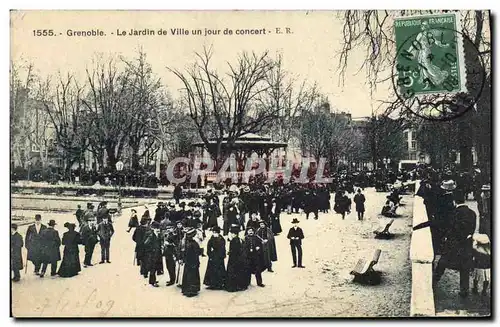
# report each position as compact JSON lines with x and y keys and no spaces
{"x":324,"y":288}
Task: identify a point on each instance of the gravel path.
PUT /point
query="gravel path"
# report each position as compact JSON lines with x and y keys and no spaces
{"x":331,"y":249}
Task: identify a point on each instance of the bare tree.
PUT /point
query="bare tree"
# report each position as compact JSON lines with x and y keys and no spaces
{"x":108,"y":98}
{"x":69,"y":119}
{"x":227,"y":108}
{"x":372,"y":30}
{"x":22,"y":79}
{"x":291,"y":98}
{"x":146,"y":97}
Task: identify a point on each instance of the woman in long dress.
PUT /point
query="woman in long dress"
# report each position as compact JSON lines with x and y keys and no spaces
{"x":215,"y":276}
{"x":70,"y":265}
{"x":238,"y":277}
{"x":191,"y":277}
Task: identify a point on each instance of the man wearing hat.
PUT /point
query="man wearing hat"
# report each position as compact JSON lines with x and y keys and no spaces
{"x":89,"y":240}
{"x":33,"y":242}
{"x":253,"y":222}
{"x":153,"y":254}
{"x":105,"y":230}
{"x":138,"y":237}
{"x":89,"y":213}
{"x":255,"y":255}
{"x":444,"y":212}
{"x":159,"y":212}
{"x":79,"y":215}
{"x":215,"y":275}
{"x":103,"y":212}
{"x":457,"y":248}
{"x":169,"y":239}
{"x":16,"y":258}
{"x":269,"y":245}
{"x":50,"y":253}
{"x":191,"y":276}
{"x":296,"y":235}
{"x":177,"y":193}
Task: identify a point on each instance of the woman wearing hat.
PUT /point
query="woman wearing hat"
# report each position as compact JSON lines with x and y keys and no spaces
{"x":237,"y":273}
{"x":70,"y":264}
{"x":191,"y":276}
{"x":215,"y":275}
{"x":134,"y":221}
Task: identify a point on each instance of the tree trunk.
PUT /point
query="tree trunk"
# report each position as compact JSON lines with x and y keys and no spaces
{"x":111,"y":157}
{"x":135,"y":156}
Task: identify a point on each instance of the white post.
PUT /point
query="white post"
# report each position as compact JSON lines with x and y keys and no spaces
{"x":422,"y":256}
{"x":158,"y":160}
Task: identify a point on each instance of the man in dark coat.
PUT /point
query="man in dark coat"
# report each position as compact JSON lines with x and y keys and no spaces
{"x":215,"y":275}
{"x":16,"y":258}
{"x":255,"y":255}
{"x":105,"y":231}
{"x":50,"y":253}
{"x":177,"y":193}
{"x":79,"y":215}
{"x":153,"y":253}
{"x":89,"y":240}
{"x":89,"y":214}
{"x":296,"y":235}
{"x":359,"y":200}
{"x":159,"y":212}
{"x":444,"y":214}
{"x":138,"y":237}
{"x":311,"y":203}
{"x":169,"y":251}
{"x":253,"y":222}
{"x":237,"y":274}
{"x":269,"y":245}
{"x":191,"y":276}
{"x":457,"y":248}
{"x":33,"y":243}
{"x":103,"y":212}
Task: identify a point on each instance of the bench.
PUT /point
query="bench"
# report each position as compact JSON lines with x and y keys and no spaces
{"x":383,"y":231}
{"x":111,"y":193}
{"x":164,"y":195}
{"x":363,"y":271}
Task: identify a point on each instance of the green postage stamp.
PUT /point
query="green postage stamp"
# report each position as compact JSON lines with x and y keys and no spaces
{"x":430,"y":55}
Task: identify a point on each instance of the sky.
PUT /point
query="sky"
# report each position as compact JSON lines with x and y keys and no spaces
{"x":309,"y":51}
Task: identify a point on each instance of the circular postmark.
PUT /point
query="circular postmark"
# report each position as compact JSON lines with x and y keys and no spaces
{"x":438,"y":73}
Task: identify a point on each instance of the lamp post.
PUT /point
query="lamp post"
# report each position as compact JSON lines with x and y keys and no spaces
{"x":386,"y":162}
{"x":119,"y":167}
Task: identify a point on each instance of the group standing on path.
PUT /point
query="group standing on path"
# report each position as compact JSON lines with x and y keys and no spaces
{"x":43,"y":244}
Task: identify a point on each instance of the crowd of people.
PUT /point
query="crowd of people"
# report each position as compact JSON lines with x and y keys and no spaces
{"x":243,"y":223}
{"x":457,"y":241}
{"x":43,"y":244}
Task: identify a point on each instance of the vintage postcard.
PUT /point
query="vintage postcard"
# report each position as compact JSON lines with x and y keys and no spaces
{"x":250,"y":163}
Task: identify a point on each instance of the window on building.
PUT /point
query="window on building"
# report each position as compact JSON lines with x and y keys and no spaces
{"x":413,"y":144}
{"x":413,"y":156}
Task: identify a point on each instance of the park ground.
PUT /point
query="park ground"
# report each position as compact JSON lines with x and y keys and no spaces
{"x":332,"y":247}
